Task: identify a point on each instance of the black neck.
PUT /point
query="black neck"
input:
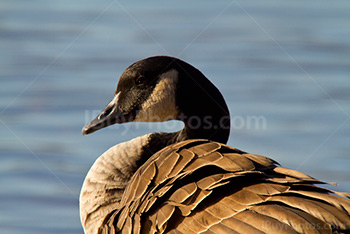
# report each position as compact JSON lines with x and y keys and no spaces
{"x":202,"y":107}
{"x":215,"y":129}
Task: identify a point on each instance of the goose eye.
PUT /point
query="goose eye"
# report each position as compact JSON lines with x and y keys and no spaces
{"x":141,"y":80}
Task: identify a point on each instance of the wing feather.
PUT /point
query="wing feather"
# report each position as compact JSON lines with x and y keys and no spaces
{"x":198,"y":186}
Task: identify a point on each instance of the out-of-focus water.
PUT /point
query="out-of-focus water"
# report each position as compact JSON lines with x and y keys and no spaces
{"x":286,"y":63}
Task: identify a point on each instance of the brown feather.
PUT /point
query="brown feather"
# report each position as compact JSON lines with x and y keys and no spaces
{"x":185,"y":157}
{"x":240,"y":227}
{"x":211,"y":188}
{"x":222,"y":229}
{"x":183,"y":193}
{"x":204,"y":149}
{"x":301,"y":222}
{"x":320,"y":210}
{"x":264,"y":223}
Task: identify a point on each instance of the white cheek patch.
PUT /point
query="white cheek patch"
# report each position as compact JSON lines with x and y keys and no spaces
{"x":160,"y":105}
{"x":112,"y":103}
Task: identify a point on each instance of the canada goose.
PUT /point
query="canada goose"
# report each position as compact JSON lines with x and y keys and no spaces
{"x":190,"y":181}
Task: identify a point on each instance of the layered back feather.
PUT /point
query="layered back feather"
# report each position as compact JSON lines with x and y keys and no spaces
{"x":199,"y":186}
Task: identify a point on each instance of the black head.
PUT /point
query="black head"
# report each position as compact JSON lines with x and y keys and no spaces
{"x":163,"y":88}
{"x":145,"y":93}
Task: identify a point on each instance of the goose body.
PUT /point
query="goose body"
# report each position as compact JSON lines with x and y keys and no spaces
{"x":190,"y":181}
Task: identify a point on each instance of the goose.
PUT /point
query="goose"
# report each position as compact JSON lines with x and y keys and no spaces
{"x":190,"y":181}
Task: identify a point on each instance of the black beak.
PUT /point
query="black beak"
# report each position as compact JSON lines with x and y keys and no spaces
{"x":110,"y":115}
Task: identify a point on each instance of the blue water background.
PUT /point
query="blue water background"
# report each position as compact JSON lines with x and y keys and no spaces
{"x":286,"y":62}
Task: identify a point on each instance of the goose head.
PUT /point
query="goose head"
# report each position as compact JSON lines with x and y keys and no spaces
{"x":163,"y":88}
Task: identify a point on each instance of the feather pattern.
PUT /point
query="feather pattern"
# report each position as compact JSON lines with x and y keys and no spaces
{"x":199,"y":186}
